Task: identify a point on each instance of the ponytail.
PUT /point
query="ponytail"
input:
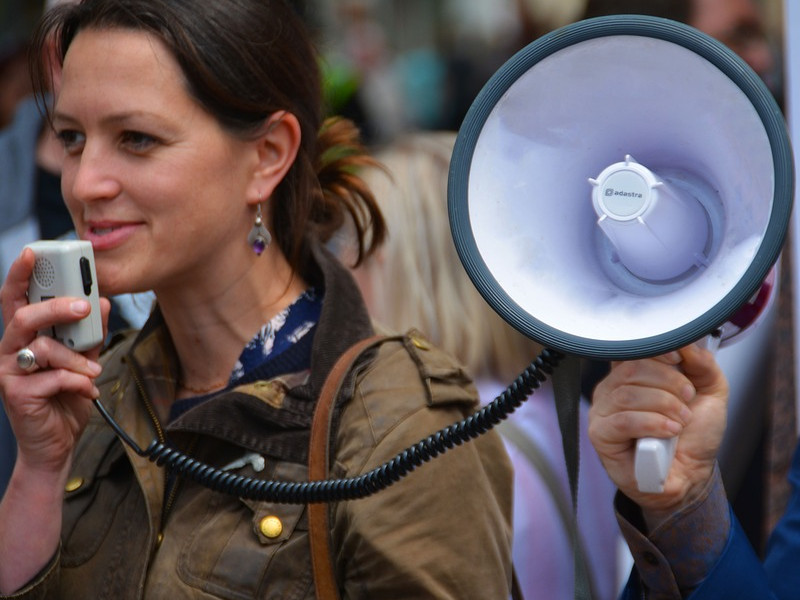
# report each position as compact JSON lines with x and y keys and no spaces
{"x":342,"y":156}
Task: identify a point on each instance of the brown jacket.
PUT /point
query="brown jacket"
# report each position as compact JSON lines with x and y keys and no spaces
{"x":442,"y":532}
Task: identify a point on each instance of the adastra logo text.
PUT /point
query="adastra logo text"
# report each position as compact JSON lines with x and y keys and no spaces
{"x":613,"y":192}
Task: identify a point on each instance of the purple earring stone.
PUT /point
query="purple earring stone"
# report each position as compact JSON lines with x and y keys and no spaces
{"x":259,"y":237}
{"x":259,"y":246}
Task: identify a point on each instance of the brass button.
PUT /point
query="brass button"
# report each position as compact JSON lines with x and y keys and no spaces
{"x":159,"y":539}
{"x":115,"y":387}
{"x":73,"y":484}
{"x":420,"y":343}
{"x":271,"y":526}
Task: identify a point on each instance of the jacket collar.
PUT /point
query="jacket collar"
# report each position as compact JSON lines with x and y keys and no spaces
{"x":267,"y":417}
{"x":343,"y":322}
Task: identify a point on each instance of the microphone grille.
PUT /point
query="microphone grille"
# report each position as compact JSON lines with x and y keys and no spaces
{"x":44,"y":272}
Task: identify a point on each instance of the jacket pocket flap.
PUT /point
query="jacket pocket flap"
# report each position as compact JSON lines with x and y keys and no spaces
{"x":275,"y":522}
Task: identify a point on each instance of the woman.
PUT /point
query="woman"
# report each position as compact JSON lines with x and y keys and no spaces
{"x":190,"y":135}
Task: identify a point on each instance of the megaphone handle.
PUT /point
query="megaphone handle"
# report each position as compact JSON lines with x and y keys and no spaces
{"x":654,"y":456}
{"x":653,"y":462}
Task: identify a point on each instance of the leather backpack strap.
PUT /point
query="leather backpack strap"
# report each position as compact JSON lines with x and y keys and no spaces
{"x":318,"y":462}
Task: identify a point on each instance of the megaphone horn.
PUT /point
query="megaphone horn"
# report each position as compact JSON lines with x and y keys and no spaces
{"x":578,"y":101}
{"x":621,"y":187}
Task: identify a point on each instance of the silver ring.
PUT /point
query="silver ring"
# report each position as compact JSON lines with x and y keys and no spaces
{"x":26,"y":360}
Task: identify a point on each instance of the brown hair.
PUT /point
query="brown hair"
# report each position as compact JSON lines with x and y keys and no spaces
{"x":244,"y":60}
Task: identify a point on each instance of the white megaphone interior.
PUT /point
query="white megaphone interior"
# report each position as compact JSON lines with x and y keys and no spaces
{"x":567,"y":118}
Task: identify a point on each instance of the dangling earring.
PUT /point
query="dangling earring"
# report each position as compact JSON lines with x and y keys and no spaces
{"x":259,"y":237}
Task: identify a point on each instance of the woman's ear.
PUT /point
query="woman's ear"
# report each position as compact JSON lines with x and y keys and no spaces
{"x":277,"y":147}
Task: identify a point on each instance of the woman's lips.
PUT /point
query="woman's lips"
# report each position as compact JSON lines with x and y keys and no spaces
{"x":106,"y":236}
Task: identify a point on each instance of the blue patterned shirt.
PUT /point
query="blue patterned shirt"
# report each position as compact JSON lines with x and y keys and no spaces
{"x":283,"y":345}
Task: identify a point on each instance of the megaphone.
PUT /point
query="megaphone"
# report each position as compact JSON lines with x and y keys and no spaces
{"x":621,"y":187}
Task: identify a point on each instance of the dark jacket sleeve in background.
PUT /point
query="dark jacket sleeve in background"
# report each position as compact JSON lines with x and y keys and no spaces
{"x":739,"y":573}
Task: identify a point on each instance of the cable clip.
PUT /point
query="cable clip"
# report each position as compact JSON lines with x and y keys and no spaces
{"x":254,"y":460}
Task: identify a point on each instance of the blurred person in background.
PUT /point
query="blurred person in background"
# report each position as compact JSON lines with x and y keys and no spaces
{"x":360,"y":79}
{"x":417,"y":280}
{"x":739,"y":24}
{"x":15,"y":83}
{"x":33,"y":208}
{"x":17,"y":18}
{"x":399,"y":66}
{"x":31,"y":205}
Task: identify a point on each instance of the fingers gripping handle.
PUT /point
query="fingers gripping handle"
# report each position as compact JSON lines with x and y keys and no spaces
{"x":654,"y":456}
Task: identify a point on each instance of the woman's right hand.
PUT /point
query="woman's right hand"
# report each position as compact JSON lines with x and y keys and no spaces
{"x":49,"y":406}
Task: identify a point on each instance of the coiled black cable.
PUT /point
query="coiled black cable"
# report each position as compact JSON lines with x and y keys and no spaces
{"x":366,"y":484}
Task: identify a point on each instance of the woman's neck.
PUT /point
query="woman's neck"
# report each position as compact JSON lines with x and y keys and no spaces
{"x":210,"y":325}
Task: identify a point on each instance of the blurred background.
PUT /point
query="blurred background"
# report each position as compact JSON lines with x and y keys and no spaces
{"x":395,"y":65}
{"x":400,"y":66}
{"x":392,"y":65}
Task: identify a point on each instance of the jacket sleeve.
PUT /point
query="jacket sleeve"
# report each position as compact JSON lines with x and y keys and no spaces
{"x":738,"y":572}
{"x":783,"y":547}
{"x":43,"y":586}
{"x":444,"y":530}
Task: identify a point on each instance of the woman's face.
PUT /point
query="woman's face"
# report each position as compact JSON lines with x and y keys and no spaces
{"x":150,"y":178}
